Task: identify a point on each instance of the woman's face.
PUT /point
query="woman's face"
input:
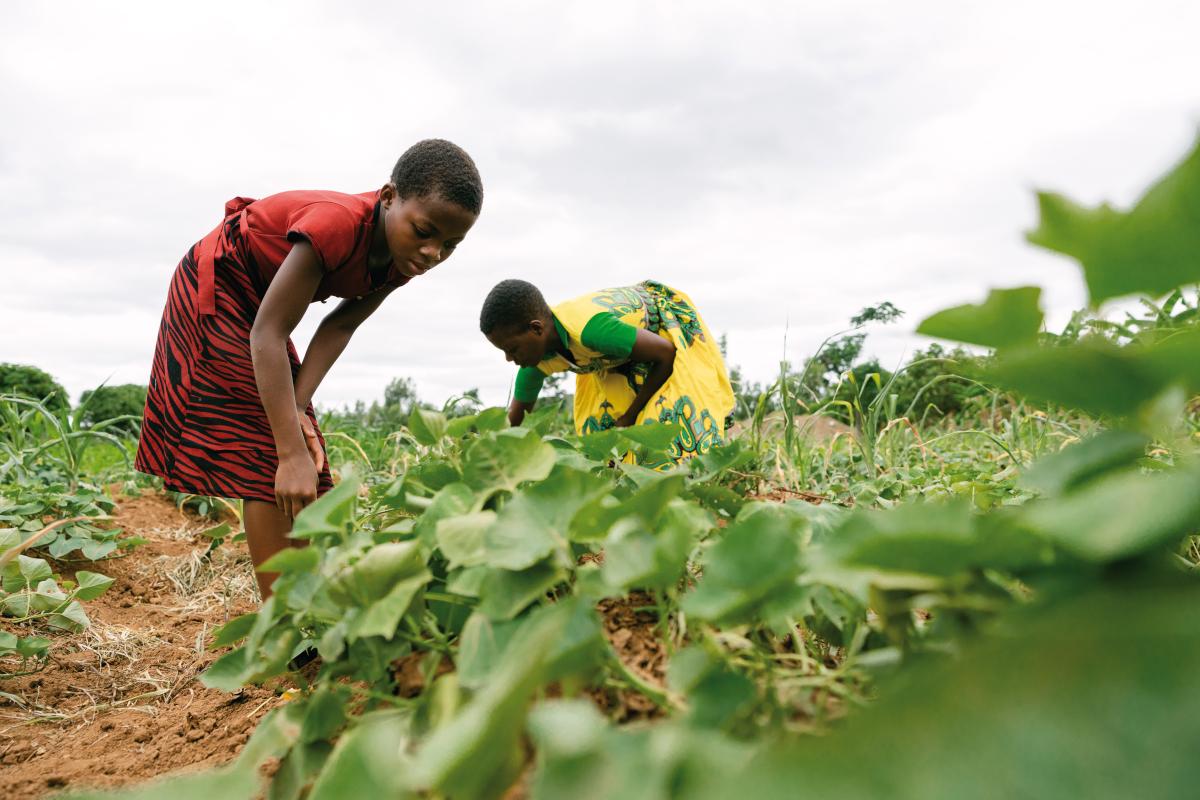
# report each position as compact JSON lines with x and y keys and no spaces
{"x":523,"y":345}
{"x":421,"y":232}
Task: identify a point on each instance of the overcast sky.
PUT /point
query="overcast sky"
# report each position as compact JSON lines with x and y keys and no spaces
{"x":785,"y":163}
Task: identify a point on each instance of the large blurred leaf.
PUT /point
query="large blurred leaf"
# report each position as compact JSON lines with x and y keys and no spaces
{"x":639,"y":556}
{"x":364,"y":762}
{"x":505,"y":594}
{"x":1121,"y":515}
{"x":1095,"y":377}
{"x":1092,"y":698}
{"x":1079,"y":463}
{"x":461,"y":538}
{"x":1008,"y":317}
{"x":583,"y":757}
{"x":757,"y":560}
{"x":1152,"y":248}
{"x":477,"y":753}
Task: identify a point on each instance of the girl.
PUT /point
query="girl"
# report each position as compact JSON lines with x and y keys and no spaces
{"x":640,"y":354}
{"x":229,"y":409}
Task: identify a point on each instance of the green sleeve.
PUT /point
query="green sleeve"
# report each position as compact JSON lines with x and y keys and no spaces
{"x":606,"y":334}
{"x":529,"y":384}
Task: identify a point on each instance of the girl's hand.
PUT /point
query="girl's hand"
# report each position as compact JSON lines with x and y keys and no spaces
{"x":295,"y":484}
{"x":311,"y":441}
{"x":626,"y":421}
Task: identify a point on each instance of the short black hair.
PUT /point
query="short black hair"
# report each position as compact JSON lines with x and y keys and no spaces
{"x":512,"y":302}
{"x":436,"y":167}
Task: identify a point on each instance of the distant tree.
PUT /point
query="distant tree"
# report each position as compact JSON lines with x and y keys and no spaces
{"x":937,"y":382}
{"x":860,"y":386}
{"x":109,"y":402}
{"x":29,"y":381}
{"x":464,"y":404}
{"x":401,"y":393}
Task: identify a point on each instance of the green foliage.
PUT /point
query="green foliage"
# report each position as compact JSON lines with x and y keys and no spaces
{"x":1007,"y":318}
{"x":112,"y":402}
{"x":33,"y":383}
{"x":1151,"y":249}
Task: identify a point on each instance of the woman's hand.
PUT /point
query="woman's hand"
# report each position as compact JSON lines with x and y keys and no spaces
{"x":295,"y":483}
{"x":626,"y":421}
{"x":311,"y":440}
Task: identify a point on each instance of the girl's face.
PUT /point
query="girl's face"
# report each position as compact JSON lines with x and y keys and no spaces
{"x":421,"y":232}
{"x":524,"y":346}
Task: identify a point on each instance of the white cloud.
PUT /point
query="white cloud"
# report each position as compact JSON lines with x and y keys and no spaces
{"x":786,"y":164}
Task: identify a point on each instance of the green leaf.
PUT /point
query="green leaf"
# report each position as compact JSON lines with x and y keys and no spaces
{"x":365,"y":761}
{"x":218,"y":531}
{"x":378,"y":570}
{"x":91,"y":585}
{"x":72,"y":618}
{"x":534,"y":523}
{"x":567,"y":728}
{"x":481,"y":646}
{"x":452,"y":500}
{"x":505,"y":594}
{"x":427,"y":427}
{"x":492,"y":419}
{"x":1095,"y":377}
{"x":1008,"y":317}
{"x":1077,"y":464}
{"x":504,"y":460}
{"x":654,"y":436}
{"x":636,"y":557}
{"x":1121,"y":515}
{"x":1151,"y":249}
{"x":477,"y":754}
{"x":324,"y":713}
{"x":95,"y":550}
{"x":1092,"y":697}
{"x":233,"y":631}
{"x":461,"y":538}
{"x":330,"y":514}
{"x":601,"y":445}
{"x":292,"y":559}
{"x":594,"y":519}
{"x":758,"y":556}
{"x":382,"y":617}
{"x":458,"y":427}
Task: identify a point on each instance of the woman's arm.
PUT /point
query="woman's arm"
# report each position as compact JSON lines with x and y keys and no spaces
{"x":282,"y":308}
{"x":653,"y":349}
{"x":517,"y":410}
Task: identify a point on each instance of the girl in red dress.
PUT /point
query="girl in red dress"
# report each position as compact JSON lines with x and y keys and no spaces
{"x":229,"y":410}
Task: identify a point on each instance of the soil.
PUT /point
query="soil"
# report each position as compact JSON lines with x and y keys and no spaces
{"x":818,"y":429}
{"x":120,"y":702}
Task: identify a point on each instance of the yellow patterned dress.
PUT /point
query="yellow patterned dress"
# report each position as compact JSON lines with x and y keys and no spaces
{"x":697,"y":397}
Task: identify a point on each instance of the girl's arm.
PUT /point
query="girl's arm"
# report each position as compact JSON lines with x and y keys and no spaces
{"x":659,"y":351}
{"x":282,"y":308}
{"x":331,"y":338}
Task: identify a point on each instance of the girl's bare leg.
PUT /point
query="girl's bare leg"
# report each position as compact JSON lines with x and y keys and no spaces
{"x":267,"y":531}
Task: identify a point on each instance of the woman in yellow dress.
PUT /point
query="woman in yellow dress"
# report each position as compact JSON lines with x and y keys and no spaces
{"x":641,"y":354}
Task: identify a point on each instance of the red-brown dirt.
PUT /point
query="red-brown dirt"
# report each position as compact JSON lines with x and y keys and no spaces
{"x":120,"y":702}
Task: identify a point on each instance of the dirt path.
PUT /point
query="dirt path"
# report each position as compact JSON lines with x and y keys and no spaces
{"x":120,"y":702}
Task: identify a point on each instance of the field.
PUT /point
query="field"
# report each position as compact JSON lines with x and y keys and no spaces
{"x":905,"y":601}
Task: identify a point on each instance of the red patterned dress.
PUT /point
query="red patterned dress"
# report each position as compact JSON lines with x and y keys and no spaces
{"x":205,"y":430}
